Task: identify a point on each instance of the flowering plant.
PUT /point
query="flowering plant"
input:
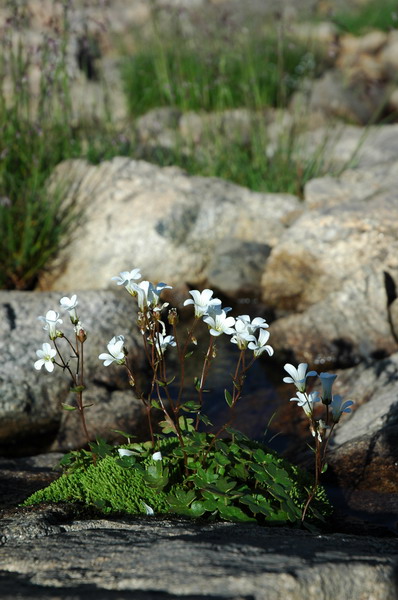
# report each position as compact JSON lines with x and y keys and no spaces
{"x":194,"y":469}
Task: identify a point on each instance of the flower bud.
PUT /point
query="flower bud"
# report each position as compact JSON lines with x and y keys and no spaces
{"x":173,"y":316}
{"x":141,"y":322}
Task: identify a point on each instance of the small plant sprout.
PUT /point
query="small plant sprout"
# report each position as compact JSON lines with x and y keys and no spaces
{"x":321,"y":428}
{"x":188,"y":468}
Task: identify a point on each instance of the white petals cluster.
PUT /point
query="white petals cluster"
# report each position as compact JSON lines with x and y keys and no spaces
{"x":202,"y":301}
{"x":126,"y":278}
{"x":306,"y":401}
{"x":147,"y":293}
{"x":70,"y":304}
{"x":244,"y":334}
{"x":162,"y":342}
{"x":116,"y":351}
{"x":339,"y":407}
{"x":298,"y":376}
{"x":46,"y":358}
{"x":51,"y":320}
{"x":219,"y":323}
{"x":260,"y":345}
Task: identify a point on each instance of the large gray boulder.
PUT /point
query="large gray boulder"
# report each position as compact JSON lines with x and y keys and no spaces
{"x":167,"y":223}
{"x":332,"y":278}
{"x":31,"y":416}
{"x":51,"y":555}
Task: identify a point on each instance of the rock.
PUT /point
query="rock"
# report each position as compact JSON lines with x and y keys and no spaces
{"x":323,"y":33}
{"x":31,"y":416}
{"x":50,"y":554}
{"x":364,"y":453}
{"x":165,"y":222}
{"x":336,"y":268}
{"x":21,"y":477}
{"x":236,"y":268}
{"x":356,"y":101}
{"x":347,"y":326}
{"x":345,"y":146}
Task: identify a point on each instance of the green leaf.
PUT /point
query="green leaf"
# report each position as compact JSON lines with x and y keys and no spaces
{"x":221,"y":459}
{"x":186,"y":424}
{"x":190,"y":406}
{"x":196,"y":383}
{"x":197,"y":509}
{"x":77,"y":389}
{"x":257,"y":504}
{"x":324,"y":468}
{"x":168,"y":426}
{"x":101,"y":447}
{"x":233,"y":513}
{"x":188,"y":354}
{"x":165,"y":383}
{"x":126,"y":462}
{"x":68,"y":406}
{"x":205,"y":419}
{"x":228,"y":398}
{"x":128,"y":436}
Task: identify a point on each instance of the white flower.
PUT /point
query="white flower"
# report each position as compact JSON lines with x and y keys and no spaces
{"x":46,"y":358}
{"x":306,"y":401}
{"x":202,"y":301}
{"x":327,"y":380}
{"x":148,"y":510}
{"x":124,"y":452}
{"x":80,"y":330}
{"x":148,"y":293}
{"x":51,"y":321}
{"x":219,"y":323}
{"x":252,"y":326}
{"x":70,"y":304}
{"x":126,"y":277}
{"x":244,"y":330}
{"x":116,"y":351}
{"x":162,"y":341}
{"x":298,"y":376}
{"x":338,"y":408}
{"x":157,"y":456}
{"x":259,"y":346}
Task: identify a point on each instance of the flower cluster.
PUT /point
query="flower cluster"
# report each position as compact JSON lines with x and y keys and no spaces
{"x":306,"y":400}
{"x":210,"y":309}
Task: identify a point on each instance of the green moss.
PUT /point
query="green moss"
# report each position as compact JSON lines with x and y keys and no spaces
{"x":106,"y":485}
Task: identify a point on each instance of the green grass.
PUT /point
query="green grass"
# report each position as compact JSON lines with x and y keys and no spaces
{"x":375,"y":14}
{"x":181,"y":73}
{"x":37,"y":131}
{"x":204,"y":74}
{"x":247,"y":164}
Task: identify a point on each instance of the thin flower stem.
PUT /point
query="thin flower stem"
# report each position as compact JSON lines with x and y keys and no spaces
{"x":318,"y":469}
{"x":205,"y":372}
{"x":181,"y":355}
